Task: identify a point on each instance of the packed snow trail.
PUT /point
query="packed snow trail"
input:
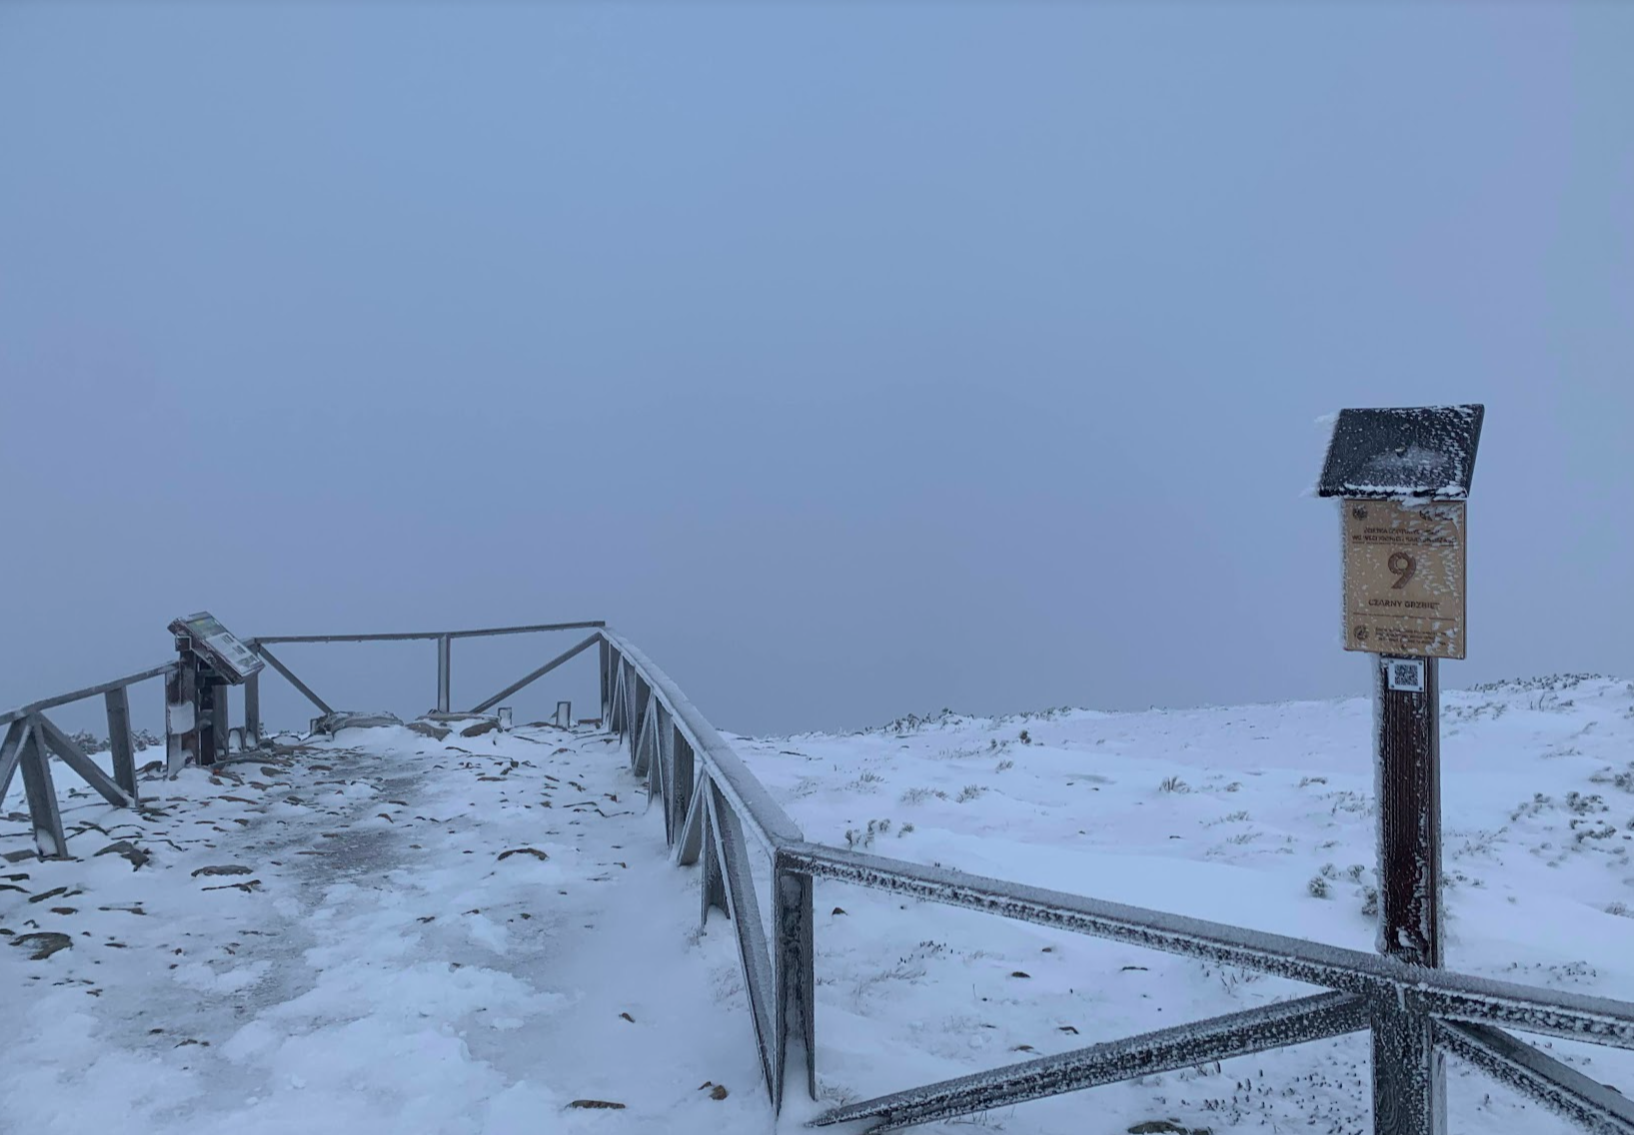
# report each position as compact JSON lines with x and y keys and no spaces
{"x":381,"y":933}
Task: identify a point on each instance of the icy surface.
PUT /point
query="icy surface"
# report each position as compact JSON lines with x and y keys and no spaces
{"x":374,"y":971}
{"x":379,"y":968}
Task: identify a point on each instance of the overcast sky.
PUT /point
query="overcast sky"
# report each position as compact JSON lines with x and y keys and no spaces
{"x":854,"y":360}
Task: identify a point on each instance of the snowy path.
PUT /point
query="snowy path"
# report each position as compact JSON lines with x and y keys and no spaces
{"x":378,"y":967}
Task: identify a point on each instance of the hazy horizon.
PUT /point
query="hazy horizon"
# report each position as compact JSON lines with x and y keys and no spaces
{"x":852,"y":360}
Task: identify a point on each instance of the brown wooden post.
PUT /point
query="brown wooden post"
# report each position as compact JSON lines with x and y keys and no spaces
{"x":1409,"y":1072}
{"x":1408,"y":747}
{"x":1403,"y":477}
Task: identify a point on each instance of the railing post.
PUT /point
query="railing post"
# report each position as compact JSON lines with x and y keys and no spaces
{"x":1409,"y":1074}
{"x":615,"y":704}
{"x":712,"y":887}
{"x":43,"y":814}
{"x":681,"y":783}
{"x":643,"y":732}
{"x":606,"y":653}
{"x":795,"y":1025}
{"x":252,"y":711}
{"x":627,"y":710}
{"x":663,"y":756}
{"x":643,"y":693}
{"x":219,"y":722}
{"x":120,"y":746}
{"x":444,"y":652}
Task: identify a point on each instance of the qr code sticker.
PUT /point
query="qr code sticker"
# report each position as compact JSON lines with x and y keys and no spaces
{"x":1406,"y":676}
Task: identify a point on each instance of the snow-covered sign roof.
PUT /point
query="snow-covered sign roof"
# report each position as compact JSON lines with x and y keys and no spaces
{"x":1418,"y":451}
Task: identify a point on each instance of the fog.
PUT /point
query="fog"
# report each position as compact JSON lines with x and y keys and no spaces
{"x":853,"y":360}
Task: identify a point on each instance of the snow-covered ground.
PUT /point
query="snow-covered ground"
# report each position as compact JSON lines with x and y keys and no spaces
{"x":381,"y":968}
{"x":1261,"y":816}
{"x":380,"y":962}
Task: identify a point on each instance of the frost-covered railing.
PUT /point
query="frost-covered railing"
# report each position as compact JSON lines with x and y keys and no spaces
{"x":710,"y":801}
{"x":712,"y":804}
{"x":31,"y":737}
{"x":445,"y":649}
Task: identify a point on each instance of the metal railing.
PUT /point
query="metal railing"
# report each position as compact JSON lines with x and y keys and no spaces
{"x":445,"y":650}
{"x":1415,"y":1014}
{"x":31,"y":736}
{"x":716,"y":814}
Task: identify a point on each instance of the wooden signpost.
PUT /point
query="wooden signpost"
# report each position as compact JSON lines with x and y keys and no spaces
{"x":1402,"y":477}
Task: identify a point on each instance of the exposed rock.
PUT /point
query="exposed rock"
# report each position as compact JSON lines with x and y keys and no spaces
{"x":45,"y":943}
{"x":605,"y":1104}
{"x":480,"y":728}
{"x":129,"y":850}
{"x":428,"y":729}
{"x":332,"y":723}
{"x":533,"y":851}
{"x":224,"y":869}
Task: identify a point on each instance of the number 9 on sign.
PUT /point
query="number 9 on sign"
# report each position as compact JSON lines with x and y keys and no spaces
{"x":1403,"y":567}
